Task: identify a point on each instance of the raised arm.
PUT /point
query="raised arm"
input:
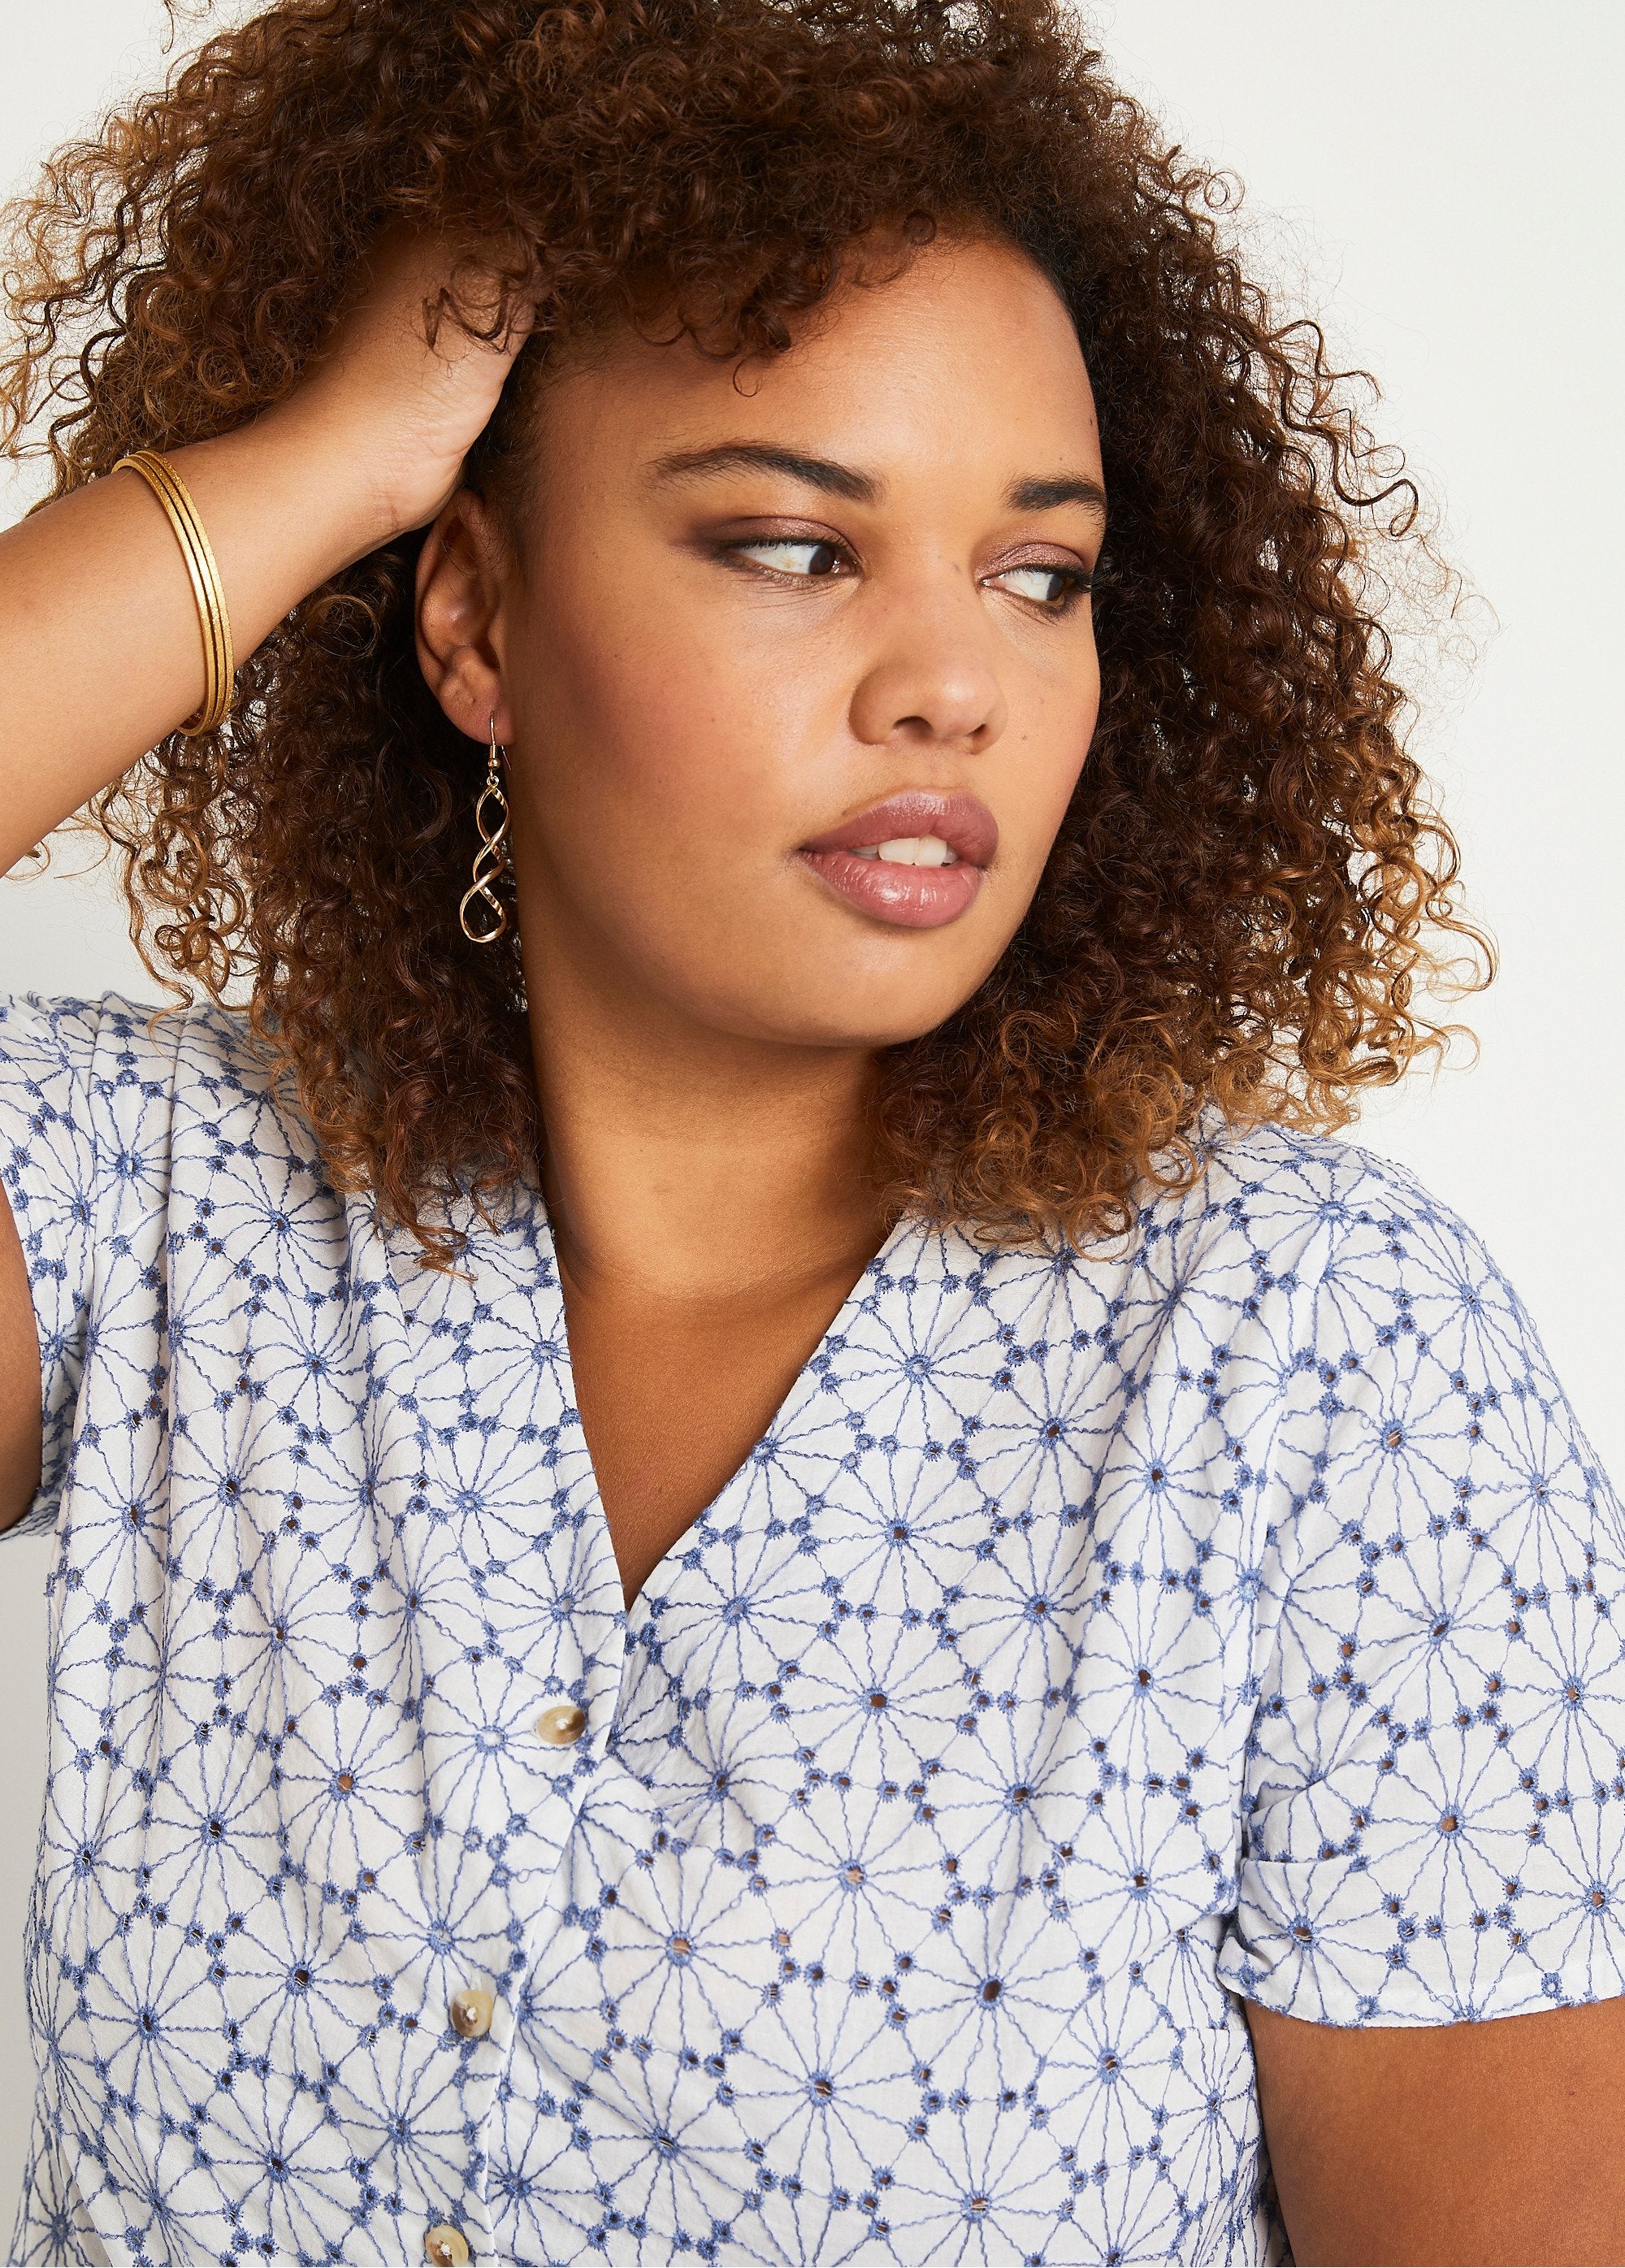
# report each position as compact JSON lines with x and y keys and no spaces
{"x":100,"y":652}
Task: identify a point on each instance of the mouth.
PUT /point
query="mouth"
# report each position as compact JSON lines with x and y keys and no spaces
{"x":915,"y":861}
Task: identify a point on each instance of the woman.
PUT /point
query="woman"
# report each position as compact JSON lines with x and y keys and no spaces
{"x":762,"y":1552}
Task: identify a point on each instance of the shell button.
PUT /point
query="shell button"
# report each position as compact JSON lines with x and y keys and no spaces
{"x":445,"y":2246}
{"x":470,"y":2013}
{"x":561,"y":1725}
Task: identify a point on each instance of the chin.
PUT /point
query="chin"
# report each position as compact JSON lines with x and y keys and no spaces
{"x":885,"y":1024}
{"x":787,"y":988}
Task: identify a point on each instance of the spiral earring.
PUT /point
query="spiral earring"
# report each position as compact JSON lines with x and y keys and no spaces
{"x":490,"y":860}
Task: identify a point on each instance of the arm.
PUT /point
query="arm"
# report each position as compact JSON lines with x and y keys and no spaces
{"x":100,"y":653}
{"x":19,"y":1379}
{"x":1493,"y":2141}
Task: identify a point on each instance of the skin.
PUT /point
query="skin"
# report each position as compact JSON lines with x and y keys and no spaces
{"x":679,"y":722}
{"x":1497,"y":2141}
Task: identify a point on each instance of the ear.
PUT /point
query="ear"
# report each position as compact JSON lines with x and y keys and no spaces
{"x":458,"y":624}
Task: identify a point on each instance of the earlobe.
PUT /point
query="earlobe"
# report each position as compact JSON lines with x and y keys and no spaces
{"x":459,"y":617}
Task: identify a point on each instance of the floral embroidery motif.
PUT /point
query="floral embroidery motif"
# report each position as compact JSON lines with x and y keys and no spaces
{"x":1088,"y":1643}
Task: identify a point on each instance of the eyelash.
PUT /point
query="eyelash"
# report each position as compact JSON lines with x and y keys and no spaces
{"x":1078,"y":582}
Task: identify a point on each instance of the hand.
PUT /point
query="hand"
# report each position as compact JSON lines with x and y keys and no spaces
{"x":384,"y":406}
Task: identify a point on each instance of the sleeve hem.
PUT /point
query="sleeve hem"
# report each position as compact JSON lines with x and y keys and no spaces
{"x":1405,"y":2000}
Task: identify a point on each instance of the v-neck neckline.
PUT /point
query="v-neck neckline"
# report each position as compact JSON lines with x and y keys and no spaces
{"x":490,"y":1283}
{"x":801,"y":1387}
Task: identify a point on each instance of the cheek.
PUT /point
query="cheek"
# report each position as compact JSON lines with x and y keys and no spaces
{"x":663,"y":736}
{"x":1054,"y":738}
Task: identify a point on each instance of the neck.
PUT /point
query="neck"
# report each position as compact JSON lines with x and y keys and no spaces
{"x":686,"y":1165}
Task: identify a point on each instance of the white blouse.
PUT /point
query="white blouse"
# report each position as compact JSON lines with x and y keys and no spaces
{"x":1089,"y":1644}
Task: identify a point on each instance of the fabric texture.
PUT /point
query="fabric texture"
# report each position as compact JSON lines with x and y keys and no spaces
{"x":1089,"y":1644}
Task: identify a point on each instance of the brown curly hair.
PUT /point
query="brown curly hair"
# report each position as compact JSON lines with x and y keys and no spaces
{"x":1247,"y":889}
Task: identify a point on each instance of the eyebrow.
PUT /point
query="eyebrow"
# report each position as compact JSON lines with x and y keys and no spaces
{"x":760,"y":456}
{"x":1063,"y":488}
{"x":833,"y":479}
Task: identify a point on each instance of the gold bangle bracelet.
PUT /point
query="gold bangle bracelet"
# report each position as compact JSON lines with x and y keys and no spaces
{"x":220,"y":667}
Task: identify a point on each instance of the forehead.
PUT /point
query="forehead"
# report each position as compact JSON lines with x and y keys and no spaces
{"x":964,"y":355}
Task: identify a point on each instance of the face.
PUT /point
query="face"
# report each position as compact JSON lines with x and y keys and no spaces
{"x":795,"y":675}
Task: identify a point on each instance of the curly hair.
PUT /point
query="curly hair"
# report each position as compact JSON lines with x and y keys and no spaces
{"x":1248,"y":893}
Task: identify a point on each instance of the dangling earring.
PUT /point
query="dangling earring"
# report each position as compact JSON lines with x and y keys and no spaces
{"x":491,"y":860}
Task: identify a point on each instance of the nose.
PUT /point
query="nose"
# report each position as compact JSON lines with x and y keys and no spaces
{"x":932,"y":682}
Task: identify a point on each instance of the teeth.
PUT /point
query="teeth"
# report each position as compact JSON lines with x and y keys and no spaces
{"x":911,"y":851}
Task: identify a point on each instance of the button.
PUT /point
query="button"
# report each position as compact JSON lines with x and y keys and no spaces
{"x":562,"y":1724}
{"x":471,"y":2013}
{"x":445,"y":2246}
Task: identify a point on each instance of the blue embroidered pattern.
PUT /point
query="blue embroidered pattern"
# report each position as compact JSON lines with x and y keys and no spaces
{"x":1086,"y":1644}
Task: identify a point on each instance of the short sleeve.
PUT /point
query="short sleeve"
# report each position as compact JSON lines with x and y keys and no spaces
{"x":82,"y":1174}
{"x":1434,"y":1796}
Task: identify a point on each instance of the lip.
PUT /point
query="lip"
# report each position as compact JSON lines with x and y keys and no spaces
{"x":908,"y":898}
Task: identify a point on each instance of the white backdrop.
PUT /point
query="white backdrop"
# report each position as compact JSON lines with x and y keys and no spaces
{"x":1440,"y":182}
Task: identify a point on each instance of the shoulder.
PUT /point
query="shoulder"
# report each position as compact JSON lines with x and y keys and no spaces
{"x":1333,"y":1259}
{"x":1303,"y":1212}
{"x":116,"y":1039}
{"x":1272,"y":1216}
{"x":1278,"y":1173}
{"x":1305,"y":1274}
{"x":1290,"y":1273}
{"x":1408,"y":1357}
{"x":118,"y":1076}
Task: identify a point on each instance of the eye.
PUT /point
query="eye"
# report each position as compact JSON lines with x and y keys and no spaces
{"x":1054,"y":587}
{"x":793,"y":554}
